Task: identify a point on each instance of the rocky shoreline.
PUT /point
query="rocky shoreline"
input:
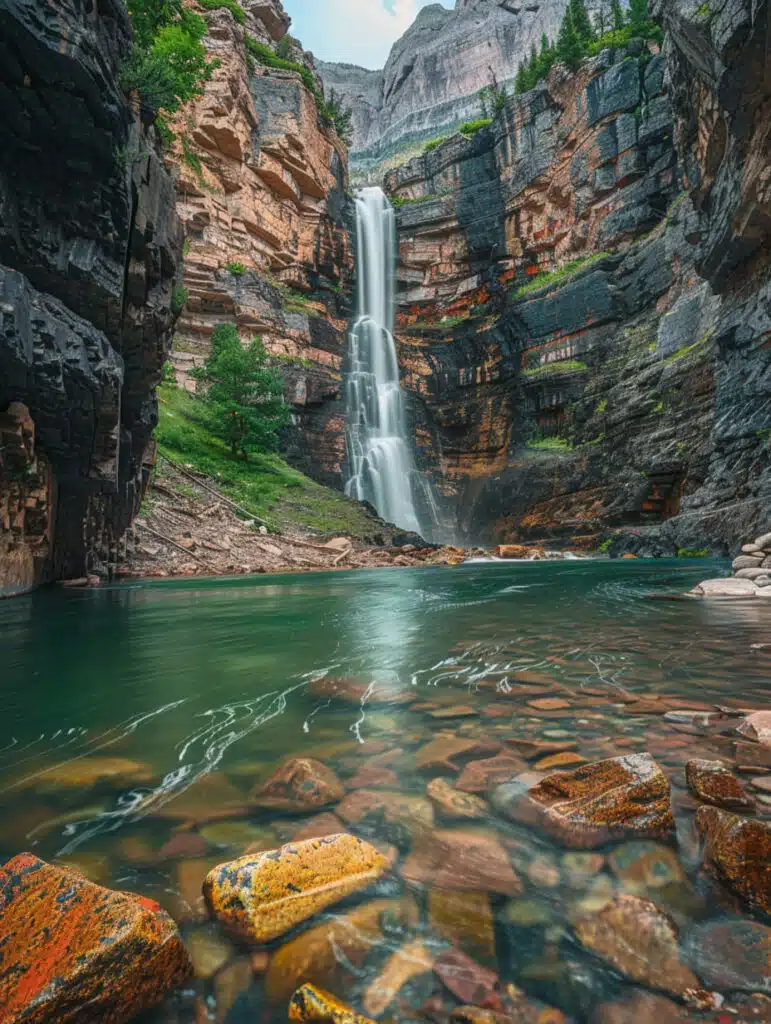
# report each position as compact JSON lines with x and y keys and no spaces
{"x":751,"y":574}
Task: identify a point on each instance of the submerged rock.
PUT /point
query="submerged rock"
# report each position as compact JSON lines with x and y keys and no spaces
{"x":74,"y":951}
{"x":614,"y":799}
{"x":464,"y":919}
{"x":310,"y":1003}
{"x":87,"y":775}
{"x":406,"y":809}
{"x":482,"y":776}
{"x":757,"y":727}
{"x":260,"y":897}
{"x":640,"y":942}
{"x":359,"y":691}
{"x":444,"y":753}
{"x":467,"y":980}
{"x":316,"y":954}
{"x":454,"y":804}
{"x":641,"y":866}
{"x":738,"y":852}
{"x":713,"y":783}
{"x":408,"y":962}
{"x":300,"y":784}
{"x":730,"y":955}
{"x":463,"y":861}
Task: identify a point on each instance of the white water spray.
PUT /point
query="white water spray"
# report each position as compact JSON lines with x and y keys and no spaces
{"x":380,"y":459}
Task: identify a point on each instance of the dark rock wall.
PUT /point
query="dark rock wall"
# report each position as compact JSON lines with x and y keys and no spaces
{"x":632,"y":394}
{"x":89,"y":250}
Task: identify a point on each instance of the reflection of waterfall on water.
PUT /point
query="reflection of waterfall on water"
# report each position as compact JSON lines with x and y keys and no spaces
{"x":381,"y":465}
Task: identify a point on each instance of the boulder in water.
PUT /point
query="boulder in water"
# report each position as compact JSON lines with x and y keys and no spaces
{"x":260,"y":897}
{"x":300,"y":784}
{"x":621,"y":798}
{"x":738,"y":852}
{"x":713,"y":783}
{"x":314,"y":1004}
{"x":74,"y":951}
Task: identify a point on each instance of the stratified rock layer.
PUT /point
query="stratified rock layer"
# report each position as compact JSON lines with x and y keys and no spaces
{"x":261,"y":897}
{"x":74,"y":951}
{"x":89,"y":251}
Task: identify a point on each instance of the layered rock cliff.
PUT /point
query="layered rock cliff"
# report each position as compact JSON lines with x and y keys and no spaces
{"x":433,"y":78}
{"x":89,"y":251}
{"x":261,"y":191}
{"x":629,"y":390}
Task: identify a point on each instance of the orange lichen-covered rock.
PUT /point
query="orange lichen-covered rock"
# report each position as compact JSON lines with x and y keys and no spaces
{"x":713,"y":783}
{"x":300,"y":784}
{"x":73,"y":951}
{"x":261,"y":897}
{"x":311,"y":1003}
{"x":640,"y":941}
{"x":621,"y":798}
{"x":738,"y":851}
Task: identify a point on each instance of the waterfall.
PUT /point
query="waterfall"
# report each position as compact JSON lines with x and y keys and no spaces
{"x":381,"y":465}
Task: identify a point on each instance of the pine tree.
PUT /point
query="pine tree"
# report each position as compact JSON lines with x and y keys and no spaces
{"x":242,"y":394}
{"x":601,"y":20}
{"x":581,"y":22}
{"x":520,"y":82}
{"x":569,"y":45}
{"x":532,"y":67}
{"x":617,"y":14}
{"x":639,"y":18}
{"x":545,"y":57}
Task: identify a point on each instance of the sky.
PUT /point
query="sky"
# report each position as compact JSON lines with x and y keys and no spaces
{"x":353,"y":31}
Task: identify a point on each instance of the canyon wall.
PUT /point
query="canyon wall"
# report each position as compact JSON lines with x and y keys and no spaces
{"x":261,"y":191}
{"x":89,"y":250}
{"x":435,"y":73}
{"x":625,"y":397}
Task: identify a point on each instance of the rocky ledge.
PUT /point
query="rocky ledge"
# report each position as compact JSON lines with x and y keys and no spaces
{"x":751,"y":574}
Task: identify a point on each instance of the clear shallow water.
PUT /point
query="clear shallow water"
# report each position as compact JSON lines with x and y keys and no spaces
{"x":204,"y":687}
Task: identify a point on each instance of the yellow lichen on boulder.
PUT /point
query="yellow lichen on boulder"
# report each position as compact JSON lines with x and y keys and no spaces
{"x":263,"y":896}
{"x":310,"y":1003}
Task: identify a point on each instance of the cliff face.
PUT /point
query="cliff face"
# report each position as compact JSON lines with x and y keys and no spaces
{"x":629,"y":391}
{"x":89,"y":250}
{"x":433,"y":77}
{"x":261,"y":193}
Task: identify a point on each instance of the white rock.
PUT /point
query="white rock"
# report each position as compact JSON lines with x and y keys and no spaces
{"x":762,"y":581}
{"x":338,"y":544}
{"x":764,"y":541}
{"x":751,"y":549}
{"x":757,"y":727}
{"x":725,"y":588}
{"x":750,"y":574}
{"x":747,"y":562}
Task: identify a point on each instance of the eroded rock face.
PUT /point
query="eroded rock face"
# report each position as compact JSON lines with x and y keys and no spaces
{"x":621,"y":798}
{"x":261,"y":193}
{"x":738,"y":852}
{"x":261,"y":897}
{"x":73,"y":950}
{"x":90,"y":247}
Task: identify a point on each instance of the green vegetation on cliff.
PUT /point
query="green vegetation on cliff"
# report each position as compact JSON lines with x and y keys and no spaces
{"x":265,"y":485}
{"x":563,"y":273}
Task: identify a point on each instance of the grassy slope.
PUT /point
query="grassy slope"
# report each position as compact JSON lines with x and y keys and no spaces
{"x":265,"y":484}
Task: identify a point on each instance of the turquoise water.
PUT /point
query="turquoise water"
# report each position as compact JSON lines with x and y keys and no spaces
{"x":203,"y":688}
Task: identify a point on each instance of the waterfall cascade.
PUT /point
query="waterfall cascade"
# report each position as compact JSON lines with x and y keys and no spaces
{"x":380,"y":459}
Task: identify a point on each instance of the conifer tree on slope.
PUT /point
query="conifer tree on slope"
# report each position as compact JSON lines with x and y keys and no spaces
{"x":570,"y":49}
{"x":581,"y":22}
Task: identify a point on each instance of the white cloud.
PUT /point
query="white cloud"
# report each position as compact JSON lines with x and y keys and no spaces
{"x":354,"y":31}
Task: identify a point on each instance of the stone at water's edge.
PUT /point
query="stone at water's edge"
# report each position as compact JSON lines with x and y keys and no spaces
{"x":260,"y":897}
{"x":738,"y":852}
{"x":713,"y":783}
{"x":730,"y":587}
{"x":621,"y":798}
{"x":640,"y":941}
{"x":757,"y":727}
{"x":310,"y":1003}
{"x":300,"y":784}
{"x":73,"y":951}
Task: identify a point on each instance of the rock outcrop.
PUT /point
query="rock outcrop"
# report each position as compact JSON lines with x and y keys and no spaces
{"x":89,"y":252}
{"x":261,"y":191}
{"x":620,"y":398}
{"x":436,"y":73}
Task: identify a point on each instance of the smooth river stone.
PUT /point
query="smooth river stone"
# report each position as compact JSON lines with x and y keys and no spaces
{"x":465,"y":919}
{"x":452,"y":803}
{"x":410,"y":961}
{"x":731,"y":955}
{"x":316,"y":954}
{"x":757,"y":727}
{"x":482,"y":776}
{"x":260,"y":897}
{"x":358,"y":691}
{"x":621,"y":798}
{"x":712,"y":783}
{"x":74,"y":951}
{"x":641,"y":866}
{"x":415,"y":812}
{"x":443,"y":753}
{"x":738,"y":852}
{"x":300,"y":784}
{"x":89,"y":774}
{"x":314,"y":1004}
{"x":640,"y":942}
{"x":464,"y":861}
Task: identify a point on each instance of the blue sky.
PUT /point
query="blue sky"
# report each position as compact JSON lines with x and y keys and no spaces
{"x":354,"y":31}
